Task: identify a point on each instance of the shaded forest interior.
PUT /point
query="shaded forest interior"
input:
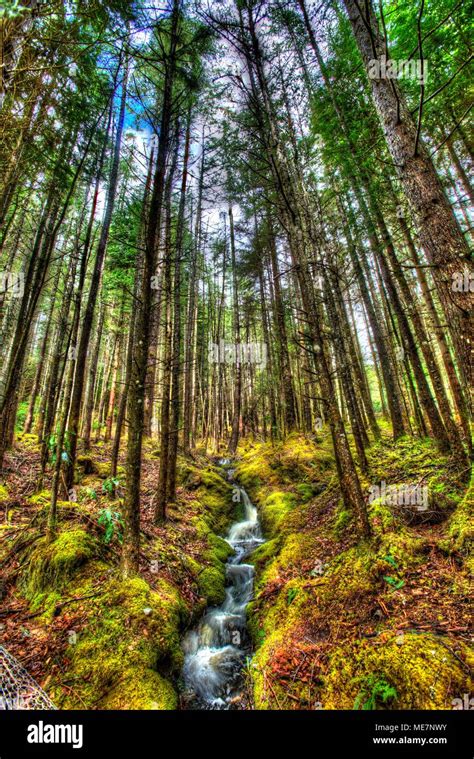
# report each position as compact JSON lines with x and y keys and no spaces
{"x":239,"y":231}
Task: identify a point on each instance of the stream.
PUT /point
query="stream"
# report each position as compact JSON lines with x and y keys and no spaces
{"x":217,"y":648}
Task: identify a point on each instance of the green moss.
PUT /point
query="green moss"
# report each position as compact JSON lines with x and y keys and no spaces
{"x":211,"y":583}
{"x":423,"y":669}
{"x":97,"y":470}
{"x":381,"y":516}
{"x":274,"y":510}
{"x":91,"y":483}
{"x":200,"y":527}
{"x":141,"y":689}
{"x":212,"y":480}
{"x":407,"y":549}
{"x":40,"y":499}
{"x":254,"y":624}
{"x":305,"y":491}
{"x":405,"y":458}
{"x":3,"y":494}
{"x":46,"y":602}
{"x":28,"y":440}
{"x":103,"y":469}
{"x":296,"y":461}
{"x":214,"y":497}
{"x":216,"y":510}
{"x":265,"y":553}
{"x":128,"y":648}
{"x":50,"y":566}
{"x":253,"y":469}
{"x":220,"y":548}
{"x":344,"y":519}
{"x":461,"y":525}
{"x":359,"y":571}
{"x":301,"y":457}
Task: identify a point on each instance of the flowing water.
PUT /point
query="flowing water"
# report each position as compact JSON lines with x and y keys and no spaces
{"x":217,"y":648}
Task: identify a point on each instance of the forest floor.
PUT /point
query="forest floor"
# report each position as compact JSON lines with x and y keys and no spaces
{"x":337,"y":623}
{"x":343,"y":624}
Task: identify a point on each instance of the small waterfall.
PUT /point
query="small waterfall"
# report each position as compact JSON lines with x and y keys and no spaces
{"x":216,"y":649}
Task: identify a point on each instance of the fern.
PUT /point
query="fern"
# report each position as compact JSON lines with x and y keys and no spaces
{"x":375,"y":691}
{"x":109,"y":485}
{"x":397,"y":584}
{"x":113,"y":525}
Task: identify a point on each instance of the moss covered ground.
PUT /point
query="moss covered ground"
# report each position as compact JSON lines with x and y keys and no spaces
{"x":340,"y":623}
{"x":111,"y":643}
{"x":337,"y":623}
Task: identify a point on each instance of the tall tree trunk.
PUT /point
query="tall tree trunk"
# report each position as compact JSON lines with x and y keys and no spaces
{"x":87,"y":322}
{"x":189,"y":348}
{"x":131,"y":510}
{"x":175,"y":402}
{"x":167,"y":357}
{"x":438,"y":229}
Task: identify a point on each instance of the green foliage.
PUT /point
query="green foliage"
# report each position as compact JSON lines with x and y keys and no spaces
{"x":21,"y":415}
{"x":112,"y":523}
{"x":53,"y":448}
{"x":394,"y":582}
{"x":291,"y":595}
{"x":109,"y":485}
{"x":11,"y":9}
{"x":88,"y":493}
{"x":375,"y":692}
{"x":305,"y":491}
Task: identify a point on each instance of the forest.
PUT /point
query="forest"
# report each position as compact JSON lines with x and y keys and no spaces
{"x":236,"y":340}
